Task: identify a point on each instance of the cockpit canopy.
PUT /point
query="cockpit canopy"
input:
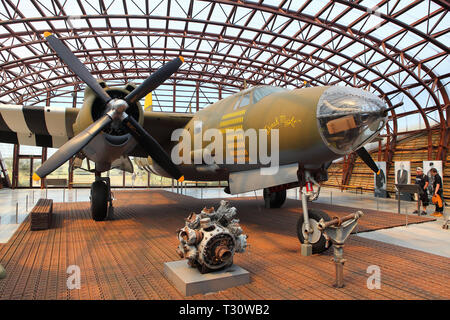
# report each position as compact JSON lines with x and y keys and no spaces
{"x":263,"y":91}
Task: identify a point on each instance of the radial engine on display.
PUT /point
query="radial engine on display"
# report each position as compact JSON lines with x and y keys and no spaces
{"x":210,"y":239}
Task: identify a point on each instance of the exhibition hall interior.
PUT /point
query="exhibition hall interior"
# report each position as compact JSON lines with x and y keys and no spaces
{"x":224,"y":150}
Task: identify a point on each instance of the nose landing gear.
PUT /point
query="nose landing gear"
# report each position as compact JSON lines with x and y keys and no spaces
{"x":314,"y":237}
{"x":101,"y":198}
{"x":309,"y":234}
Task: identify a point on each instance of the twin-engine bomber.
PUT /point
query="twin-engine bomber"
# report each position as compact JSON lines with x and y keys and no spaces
{"x":315,"y":126}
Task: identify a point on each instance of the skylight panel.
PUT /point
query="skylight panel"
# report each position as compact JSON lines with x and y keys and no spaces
{"x":241,"y":15}
{"x":91,"y":7}
{"x":335,"y":10}
{"x":314,"y":7}
{"x":314,"y":72}
{"x":232,"y":32}
{"x":174,"y":42}
{"x":40,"y":25}
{"x":278,"y":41}
{"x":336,"y":59}
{"x":416,"y":13}
{"x":385,"y":30}
{"x":273,"y":3}
{"x":292,"y":29}
{"x":308,"y":49}
{"x":201,"y":10}
{"x":177,"y":25}
{"x":28,"y":10}
{"x":195,"y":26}
{"x":294,"y":5}
{"x":350,"y":17}
{"x":139,"y":41}
{"x":138,"y":23}
{"x":133,"y":7}
{"x":322,"y":38}
{"x":213,"y":28}
{"x":247,"y":34}
{"x":221,"y":13}
{"x":98,"y":23}
{"x":74,"y":22}
{"x":353,"y":49}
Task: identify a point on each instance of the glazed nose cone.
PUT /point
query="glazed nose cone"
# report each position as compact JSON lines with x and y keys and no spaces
{"x":349,"y":118}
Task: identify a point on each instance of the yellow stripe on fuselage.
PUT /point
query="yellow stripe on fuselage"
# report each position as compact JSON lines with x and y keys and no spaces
{"x":233,"y":114}
{"x":239,"y":144}
{"x":224,"y":130}
{"x":234,"y":136}
{"x":234,"y":121}
{"x":239,"y":152}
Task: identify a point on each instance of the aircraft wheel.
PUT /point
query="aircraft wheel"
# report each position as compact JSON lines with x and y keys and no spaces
{"x":317,"y":239}
{"x":99,"y":200}
{"x":274,"y":199}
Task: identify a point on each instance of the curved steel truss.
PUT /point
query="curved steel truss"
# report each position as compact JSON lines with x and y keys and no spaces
{"x":398,"y":49}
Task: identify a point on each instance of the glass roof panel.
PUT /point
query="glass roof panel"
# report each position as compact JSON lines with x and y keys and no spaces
{"x":227,"y":43}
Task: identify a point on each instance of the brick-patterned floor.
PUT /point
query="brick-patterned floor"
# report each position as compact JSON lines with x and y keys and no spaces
{"x":123,"y":258}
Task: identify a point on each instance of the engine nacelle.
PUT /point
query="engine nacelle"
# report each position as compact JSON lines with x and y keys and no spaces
{"x":114,"y":141}
{"x":93,"y":108}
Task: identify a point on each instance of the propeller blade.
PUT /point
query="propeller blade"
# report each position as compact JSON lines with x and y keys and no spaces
{"x":152,"y":147}
{"x":393,"y":107}
{"x":71,"y":147}
{"x":365,"y":156}
{"x":76,"y":66}
{"x":155,"y":80}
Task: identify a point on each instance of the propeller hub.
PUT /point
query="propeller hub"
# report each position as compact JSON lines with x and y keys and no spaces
{"x":116,"y":108}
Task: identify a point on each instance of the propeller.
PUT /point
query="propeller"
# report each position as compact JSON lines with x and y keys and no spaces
{"x":76,"y":66}
{"x":365,"y":156}
{"x":115,"y":113}
{"x":362,"y":152}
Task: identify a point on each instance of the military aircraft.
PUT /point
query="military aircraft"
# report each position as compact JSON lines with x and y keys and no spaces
{"x":316,"y":125}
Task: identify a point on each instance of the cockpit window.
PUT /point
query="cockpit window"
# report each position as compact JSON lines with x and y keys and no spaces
{"x":349,"y":118}
{"x":261,"y":92}
{"x":245,"y":101}
{"x":242,"y":102}
{"x":237,"y":103}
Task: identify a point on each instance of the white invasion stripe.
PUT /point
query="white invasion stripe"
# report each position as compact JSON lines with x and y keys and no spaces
{"x":14,"y":118}
{"x":27,"y":139}
{"x":58,"y":141}
{"x":55,"y":119}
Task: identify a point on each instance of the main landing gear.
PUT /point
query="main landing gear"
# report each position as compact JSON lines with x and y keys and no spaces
{"x":274,"y":199}
{"x":101,"y":198}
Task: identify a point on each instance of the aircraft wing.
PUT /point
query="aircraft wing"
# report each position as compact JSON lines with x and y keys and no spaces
{"x":36,"y":126}
{"x":52,"y":126}
{"x":161,"y":125}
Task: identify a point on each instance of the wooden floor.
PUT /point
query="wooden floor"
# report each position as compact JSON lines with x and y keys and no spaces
{"x":123,"y":258}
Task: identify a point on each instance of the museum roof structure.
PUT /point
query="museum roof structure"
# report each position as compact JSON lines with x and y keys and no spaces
{"x":397,"y":49}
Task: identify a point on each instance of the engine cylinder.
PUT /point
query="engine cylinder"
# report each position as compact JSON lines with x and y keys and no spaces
{"x":210,"y":239}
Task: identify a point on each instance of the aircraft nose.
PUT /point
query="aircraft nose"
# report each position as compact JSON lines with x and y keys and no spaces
{"x":349,"y":118}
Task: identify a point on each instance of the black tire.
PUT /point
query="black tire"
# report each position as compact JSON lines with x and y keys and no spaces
{"x":318,"y":246}
{"x":99,"y":200}
{"x":276,"y":199}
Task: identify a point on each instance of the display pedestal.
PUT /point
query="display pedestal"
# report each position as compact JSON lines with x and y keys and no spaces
{"x":190,"y":281}
{"x":405,"y":192}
